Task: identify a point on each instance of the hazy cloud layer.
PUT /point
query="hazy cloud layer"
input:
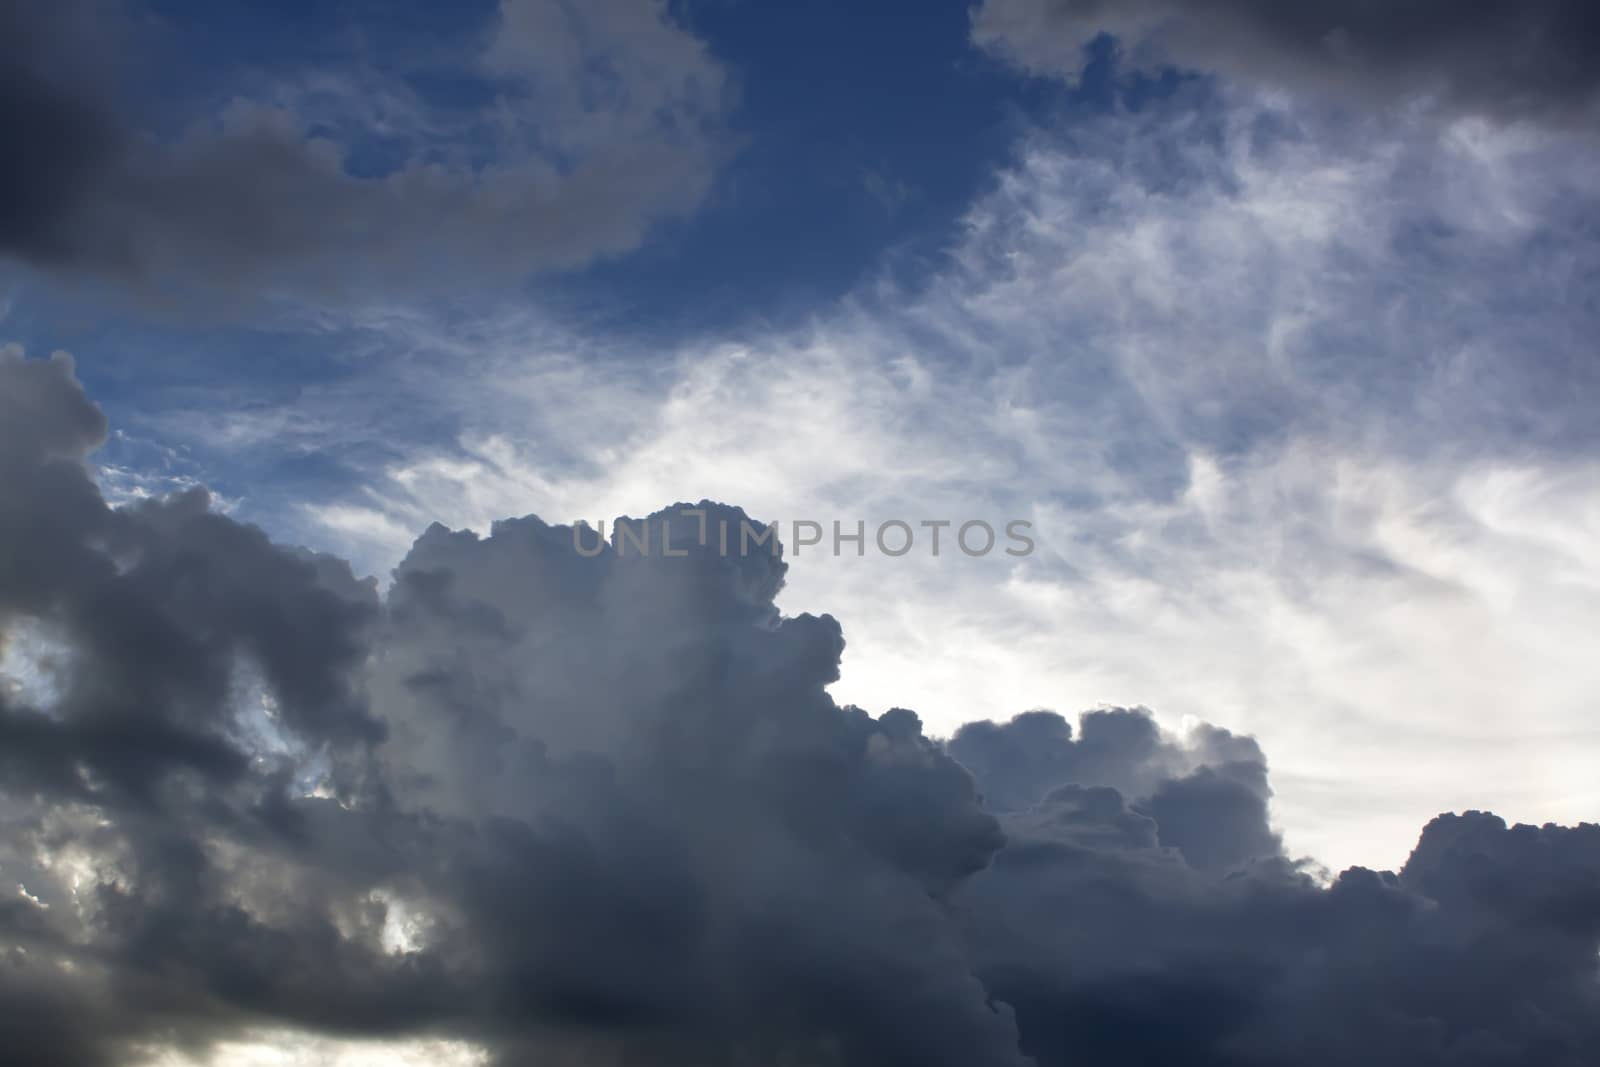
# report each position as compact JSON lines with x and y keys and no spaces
{"x":603,"y":811}
{"x":1505,"y":58}
{"x":600,"y":119}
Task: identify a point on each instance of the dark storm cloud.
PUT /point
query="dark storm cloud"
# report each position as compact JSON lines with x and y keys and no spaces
{"x":602,"y":120}
{"x":54,"y":134}
{"x":665,"y":793}
{"x":618,"y":789}
{"x":1506,"y":58}
{"x":603,"y":811}
{"x":1481,"y":950}
{"x":155,"y":617}
{"x":1171,"y":929}
{"x":153,"y":604}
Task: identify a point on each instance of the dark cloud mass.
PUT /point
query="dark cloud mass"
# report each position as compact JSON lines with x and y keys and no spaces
{"x":1508,"y":58}
{"x":603,"y":811}
{"x":601,"y":120}
{"x":54,"y":138}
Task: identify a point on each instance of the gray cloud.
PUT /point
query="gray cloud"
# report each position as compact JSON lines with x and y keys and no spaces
{"x":618,"y":789}
{"x":604,"y":811}
{"x":1172,"y":929}
{"x":1480,"y":950}
{"x":1505,"y":58}
{"x":605,"y":119}
{"x":56,"y":135}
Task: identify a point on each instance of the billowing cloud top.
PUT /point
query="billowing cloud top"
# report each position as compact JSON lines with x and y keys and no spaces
{"x":602,"y":810}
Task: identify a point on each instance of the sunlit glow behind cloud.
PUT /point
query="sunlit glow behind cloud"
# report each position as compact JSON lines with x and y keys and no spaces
{"x":288,"y":1049}
{"x":30,"y":664}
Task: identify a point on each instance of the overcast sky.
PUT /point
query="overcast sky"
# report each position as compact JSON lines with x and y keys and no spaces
{"x":320,"y":323}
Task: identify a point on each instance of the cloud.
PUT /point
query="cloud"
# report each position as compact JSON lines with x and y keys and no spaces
{"x":1299,"y":407}
{"x":1108,"y":946}
{"x":602,"y":810}
{"x":56,"y":135}
{"x":609,"y":793}
{"x":1503,"y":58}
{"x":90,"y":571}
{"x":154,"y":616}
{"x":602,"y":120}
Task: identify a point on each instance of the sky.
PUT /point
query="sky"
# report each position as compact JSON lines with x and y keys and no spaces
{"x":1270,"y":326}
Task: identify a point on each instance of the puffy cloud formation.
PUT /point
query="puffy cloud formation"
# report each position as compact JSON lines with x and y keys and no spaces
{"x":596,"y":121}
{"x":1507,"y":58}
{"x":603,"y":811}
